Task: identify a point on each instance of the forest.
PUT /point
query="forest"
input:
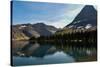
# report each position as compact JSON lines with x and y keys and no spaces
{"x":80,"y":36}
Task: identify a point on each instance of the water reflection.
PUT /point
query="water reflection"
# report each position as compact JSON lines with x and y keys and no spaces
{"x":25,"y":52}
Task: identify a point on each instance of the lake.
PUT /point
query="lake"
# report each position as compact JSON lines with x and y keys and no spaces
{"x":36,"y":53}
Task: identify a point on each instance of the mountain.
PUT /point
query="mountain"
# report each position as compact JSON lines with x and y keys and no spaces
{"x":44,"y":30}
{"x":25,"y":31}
{"x":86,"y":19}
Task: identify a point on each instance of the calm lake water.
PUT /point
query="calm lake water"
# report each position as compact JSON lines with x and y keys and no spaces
{"x":34,"y":53}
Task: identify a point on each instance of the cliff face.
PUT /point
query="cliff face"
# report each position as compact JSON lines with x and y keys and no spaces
{"x":87,"y":18}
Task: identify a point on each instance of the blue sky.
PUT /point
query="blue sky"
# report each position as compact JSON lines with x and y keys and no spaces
{"x":58,"y":15}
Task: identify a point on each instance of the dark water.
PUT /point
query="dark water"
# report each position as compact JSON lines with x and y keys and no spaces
{"x":33,"y":53}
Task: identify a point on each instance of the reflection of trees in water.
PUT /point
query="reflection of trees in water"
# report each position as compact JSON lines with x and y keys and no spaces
{"x":75,"y":49}
{"x":80,"y":51}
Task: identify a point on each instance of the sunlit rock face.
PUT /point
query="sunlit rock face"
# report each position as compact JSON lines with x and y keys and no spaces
{"x":26,"y":31}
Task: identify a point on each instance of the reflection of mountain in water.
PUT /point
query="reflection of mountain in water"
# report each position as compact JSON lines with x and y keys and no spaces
{"x":36,"y":50}
{"x":46,"y":49}
{"x":18,"y":45}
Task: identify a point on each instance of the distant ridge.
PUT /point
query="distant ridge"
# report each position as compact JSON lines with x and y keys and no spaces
{"x":25,"y":31}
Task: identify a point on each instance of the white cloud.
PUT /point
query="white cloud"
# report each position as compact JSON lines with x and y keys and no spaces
{"x":64,"y":19}
{"x":59,"y":24}
{"x":67,"y":17}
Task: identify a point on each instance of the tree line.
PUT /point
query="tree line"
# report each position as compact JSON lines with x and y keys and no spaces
{"x":86,"y":36}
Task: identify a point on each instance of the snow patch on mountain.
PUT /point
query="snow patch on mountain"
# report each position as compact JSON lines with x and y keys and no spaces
{"x":70,"y":26}
{"x":80,"y":27}
{"x":77,"y":22}
{"x":52,"y":31}
{"x":88,"y":26}
{"x":22,"y":26}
